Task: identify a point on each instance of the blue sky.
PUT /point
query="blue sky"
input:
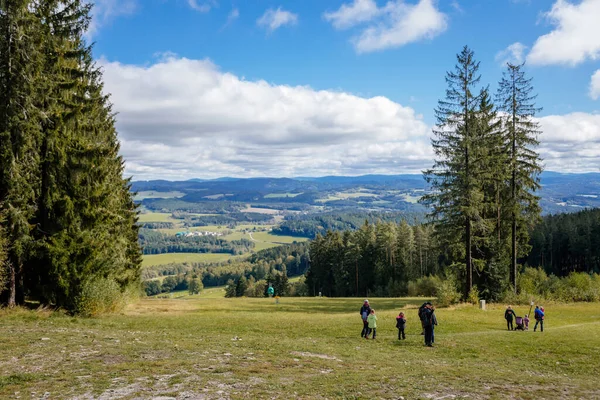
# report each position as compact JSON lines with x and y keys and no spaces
{"x":208,"y":88}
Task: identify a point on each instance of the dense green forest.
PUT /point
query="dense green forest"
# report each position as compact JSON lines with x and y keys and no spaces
{"x":68,"y":221}
{"x":154,"y":242}
{"x":309,"y":225}
{"x":567,"y":242}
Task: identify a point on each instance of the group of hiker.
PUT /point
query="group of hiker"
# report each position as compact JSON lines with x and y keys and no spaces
{"x":522,"y":323}
{"x":428,"y":320}
{"x":426,"y":315}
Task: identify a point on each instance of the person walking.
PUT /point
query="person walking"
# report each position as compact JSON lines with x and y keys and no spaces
{"x":401,"y":324}
{"x":372,"y":321}
{"x":509,"y":314}
{"x":539,"y":318}
{"x":365,"y":311}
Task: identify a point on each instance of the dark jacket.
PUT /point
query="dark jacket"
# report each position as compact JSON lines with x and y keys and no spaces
{"x":429,"y":317}
{"x":366,"y":309}
{"x":400,"y":322}
{"x":509,"y":314}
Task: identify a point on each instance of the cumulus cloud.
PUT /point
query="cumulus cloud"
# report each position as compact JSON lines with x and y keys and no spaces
{"x":571,"y":142}
{"x":393,"y":25}
{"x":181,"y":118}
{"x":349,"y":15}
{"x":105,"y":11}
{"x":595,"y":86}
{"x":514,"y":54}
{"x":576,"y":36}
{"x":274,"y":19}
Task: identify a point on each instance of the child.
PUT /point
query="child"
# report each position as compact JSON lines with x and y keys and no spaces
{"x":372,"y":320}
{"x":526,"y":321}
{"x":400,"y":324}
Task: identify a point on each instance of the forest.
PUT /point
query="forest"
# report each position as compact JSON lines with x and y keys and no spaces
{"x":153,"y":242}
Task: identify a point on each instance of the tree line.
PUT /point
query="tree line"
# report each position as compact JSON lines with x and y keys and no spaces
{"x":67,"y":218}
{"x":153,"y":242}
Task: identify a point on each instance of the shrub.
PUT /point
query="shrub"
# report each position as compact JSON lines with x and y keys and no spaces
{"x":446,"y":292}
{"x":425,"y":286}
{"x":100,"y":296}
{"x":473,"y":296}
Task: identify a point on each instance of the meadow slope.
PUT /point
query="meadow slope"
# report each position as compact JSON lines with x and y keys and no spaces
{"x":200,"y":347}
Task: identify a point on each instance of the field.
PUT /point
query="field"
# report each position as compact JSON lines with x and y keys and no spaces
{"x":168,"y":258}
{"x":308,"y":348}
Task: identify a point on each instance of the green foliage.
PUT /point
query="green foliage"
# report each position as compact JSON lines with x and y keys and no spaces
{"x":152,"y":288}
{"x":195,"y":286}
{"x":100,"y":296}
{"x":473,"y":296}
{"x":446,"y":292}
{"x":230,"y":289}
{"x":536,"y":285}
{"x":69,"y":216}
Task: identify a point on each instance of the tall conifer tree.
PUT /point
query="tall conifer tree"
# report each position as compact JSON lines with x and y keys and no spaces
{"x":517,"y":102}
{"x":456,"y":197}
{"x":20,"y":67}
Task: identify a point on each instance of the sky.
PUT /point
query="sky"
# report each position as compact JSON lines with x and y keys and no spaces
{"x":283,"y":88}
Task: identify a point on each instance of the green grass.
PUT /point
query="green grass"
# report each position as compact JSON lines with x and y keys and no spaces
{"x":306,"y":348}
{"x":168,"y":258}
{"x":157,"y":217}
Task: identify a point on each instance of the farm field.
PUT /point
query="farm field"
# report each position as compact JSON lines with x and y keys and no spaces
{"x":306,"y":348}
{"x":157,"y":217}
{"x":168,"y":258}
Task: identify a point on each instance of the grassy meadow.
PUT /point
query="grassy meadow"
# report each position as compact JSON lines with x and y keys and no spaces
{"x":207,"y":347}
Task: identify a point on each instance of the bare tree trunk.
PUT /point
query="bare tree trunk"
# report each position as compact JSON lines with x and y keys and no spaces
{"x":12,"y":286}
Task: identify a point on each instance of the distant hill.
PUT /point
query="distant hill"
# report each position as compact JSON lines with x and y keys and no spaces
{"x":560,"y":192}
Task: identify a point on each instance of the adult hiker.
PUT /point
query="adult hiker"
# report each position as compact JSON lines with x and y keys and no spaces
{"x":430,"y":321}
{"x":539,"y":318}
{"x":422,"y":315}
{"x":509,"y":314}
{"x":365,"y":311}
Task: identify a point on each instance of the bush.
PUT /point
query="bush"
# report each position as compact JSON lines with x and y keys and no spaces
{"x":100,"y":296}
{"x":423,"y":286}
{"x":299,"y":288}
{"x":446,"y":292}
{"x":473,"y":296}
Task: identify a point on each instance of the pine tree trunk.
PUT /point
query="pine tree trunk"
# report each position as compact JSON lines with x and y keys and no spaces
{"x":12,"y":287}
{"x":468,"y":260}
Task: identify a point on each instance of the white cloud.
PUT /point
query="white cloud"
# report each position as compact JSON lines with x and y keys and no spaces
{"x":576,"y":36}
{"x":182,"y":118}
{"x":393,"y":25}
{"x":595,"y":86}
{"x":202,"y":6}
{"x":349,"y":15}
{"x":514,"y":54}
{"x":273,"y":19}
{"x":571,"y":142}
{"x":105,"y":11}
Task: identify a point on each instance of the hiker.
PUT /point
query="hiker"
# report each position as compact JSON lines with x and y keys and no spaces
{"x":400,"y":324}
{"x":508,"y":316}
{"x":372,"y":321}
{"x":422,"y":316}
{"x":429,"y":321}
{"x":365,"y":310}
{"x":526,"y":321}
{"x":434,"y":323}
{"x":539,"y":318}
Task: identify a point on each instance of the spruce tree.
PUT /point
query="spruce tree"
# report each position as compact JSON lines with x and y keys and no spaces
{"x":456,"y":196}
{"x":517,"y":102}
{"x":20,"y":74}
